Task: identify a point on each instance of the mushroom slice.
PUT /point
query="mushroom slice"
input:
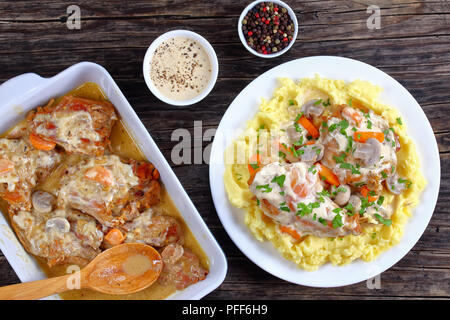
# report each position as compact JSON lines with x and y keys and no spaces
{"x":342,"y":195}
{"x":393,"y":184}
{"x":312,"y":153}
{"x":294,"y":134}
{"x":312,"y":108}
{"x":58,"y":224}
{"x":42,"y":201}
{"x":369,"y":152}
{"x":355,"y":201}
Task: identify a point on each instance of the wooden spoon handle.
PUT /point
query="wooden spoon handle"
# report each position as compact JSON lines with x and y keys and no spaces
{"x":34,"y":289}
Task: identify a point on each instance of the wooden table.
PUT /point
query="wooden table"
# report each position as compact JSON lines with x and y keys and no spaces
{"x":412,"y":46}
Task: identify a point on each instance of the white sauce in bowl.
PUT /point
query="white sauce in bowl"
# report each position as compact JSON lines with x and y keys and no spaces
{"x":180,"y":68}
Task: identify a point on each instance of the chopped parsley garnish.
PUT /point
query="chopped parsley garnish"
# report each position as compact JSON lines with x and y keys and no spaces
{"x":291,"y":102}
{"x":297,"y":127}
{"x":399,"y":121}
{"x":332,"y":127}
{"x":281,"y":154}
{"x":337,"y":221}
{"x":349,"y":207}
{"x":365,"y":203}
{"x":340,"y":189}
{"x":350,"y":102}
{"x":406,"y":182}
{"x":380,"y":200}
{"x":341,"y":158}
{"x":327,"y":103}
{"x":318,"y":102}
{"x":349,"y":144}
{"x":386,"y":222}
{"x":343,"y":124}
{"x":312,"y":169}
{"x":279,"y":180}
{"x":314,"y":217}
{"x":384,"y":174}
{"x":298,"y":117}
{"x":296,"y":153}
{"x":323,"y":221}
{"x":257,"y":201}
{"x":349,"y":166}
{"x":305,"y":209}
{"x":369,"y":124}
{"x":264,"y":187}
{"x":324,"y":193}
{"x":282,"y":193}
{"x":284,"y":208}
{"x":254,"y":165}
{"x":374,"y":235}
{"x":299,"y":142}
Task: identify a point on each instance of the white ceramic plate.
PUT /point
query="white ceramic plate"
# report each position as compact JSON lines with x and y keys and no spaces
{"x":23,"y":93}
{"x":244,"y":107}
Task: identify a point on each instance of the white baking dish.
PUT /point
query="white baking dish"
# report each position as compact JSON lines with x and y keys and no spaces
{"x":23,"y":93}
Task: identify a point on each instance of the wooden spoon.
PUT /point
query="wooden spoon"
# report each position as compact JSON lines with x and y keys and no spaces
{"x":123,"y":269}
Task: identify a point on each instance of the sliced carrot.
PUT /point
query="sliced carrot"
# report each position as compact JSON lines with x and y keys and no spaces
{"x":6,"y":166}
{"x":305,"y":222}
{"x":253,"y":167}
{"x":12,"y":196}
{"x":155,"y":174}
{"x":363,"y":136}
{"x":289,"y":154}
{"x":353,"y":114}
{"x":353,"y":178}
{"x":100,"y":174}
{"x":41,"y":143}
{"x":253,"y":164}
{"x":309,"y":126}
{"x":144,"y":170}
{"x":356,"y":117}
{"x":365,"y":193}
{"x":114,"y":237}
{"x":301,"y":190}
{"x":294,"y":234}
{"x":328,"y":175}
{"x":269,"y":207}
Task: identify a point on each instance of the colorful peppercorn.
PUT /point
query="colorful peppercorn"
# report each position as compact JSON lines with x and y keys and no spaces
{"x":268,"y":28}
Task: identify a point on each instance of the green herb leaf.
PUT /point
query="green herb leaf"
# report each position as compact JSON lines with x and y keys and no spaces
{"x":386,"y":222}
{"x":279,"y":180}
{"x":265,"y":188}
{"x":337,"y":221}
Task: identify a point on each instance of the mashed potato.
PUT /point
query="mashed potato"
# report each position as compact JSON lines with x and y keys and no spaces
{"x":314,"y":251}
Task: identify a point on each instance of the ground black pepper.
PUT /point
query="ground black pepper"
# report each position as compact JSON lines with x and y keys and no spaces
{"x":268,"y":28}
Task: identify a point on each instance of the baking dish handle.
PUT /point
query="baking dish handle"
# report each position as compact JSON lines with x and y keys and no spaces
{"x":18,"y":86}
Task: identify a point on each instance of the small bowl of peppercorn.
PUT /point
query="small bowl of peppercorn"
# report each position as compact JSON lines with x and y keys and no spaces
{"x":268,"y":28}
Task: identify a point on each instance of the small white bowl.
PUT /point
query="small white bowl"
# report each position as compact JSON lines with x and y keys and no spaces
{"x":270,"y":55}
{"x":187,"y":34}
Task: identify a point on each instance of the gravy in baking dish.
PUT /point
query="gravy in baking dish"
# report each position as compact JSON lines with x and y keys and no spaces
{"x":122,"y":145}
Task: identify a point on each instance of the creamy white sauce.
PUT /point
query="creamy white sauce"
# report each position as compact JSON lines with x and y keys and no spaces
{"x":180,"y":68}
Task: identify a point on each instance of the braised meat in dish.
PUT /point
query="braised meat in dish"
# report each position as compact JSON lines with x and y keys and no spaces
{"x":78,"y":125}
{"x":69,"y":196}
{"x":22,"y":167}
